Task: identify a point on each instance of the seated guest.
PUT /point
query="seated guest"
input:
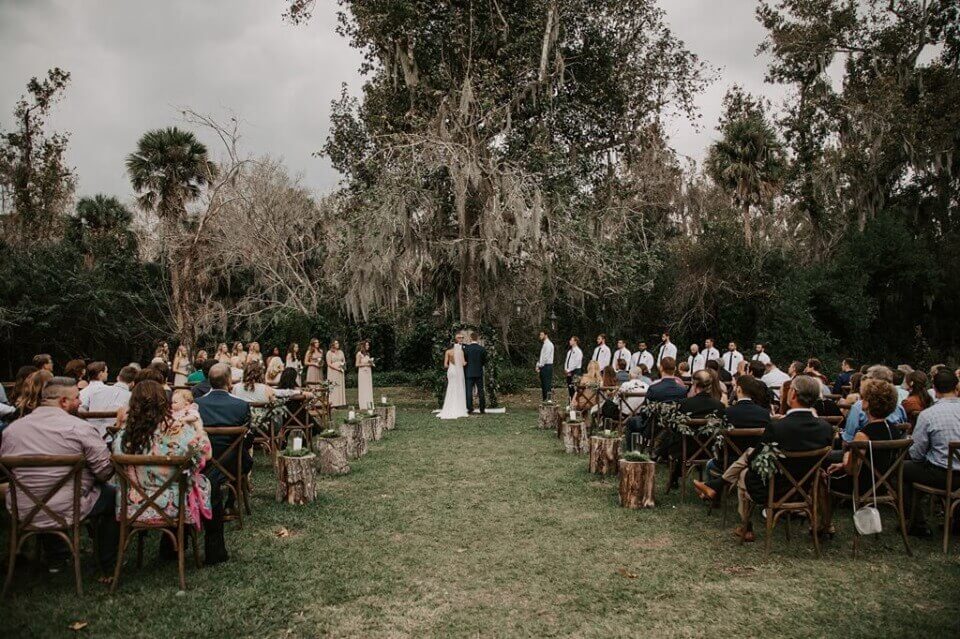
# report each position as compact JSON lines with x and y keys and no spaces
{"x":722,"y":374}
{"x":799,"y":430}
{"x":918,"y":398}
{"x":153,"y":428}
{"x":43,"y":362}
{"x":30,"y":395}
{"x":879,"y":400}
{"x":107,"y":398}
{"x":630,"y":405}
{"x":52,"y":428}
{"x":898,"y":378}
{"x":587,"y":394}
{"x":236,"y":367}
{"x":854,"y":395}
{"x":667,"y":389}
{"x":857,"y":419}
{"x":609,"y":377}
{"x":253,"y":389}
{"x":77,"y":369}
{"x":622,"y":375}
{"x":203,"y":387}
{"x":163,"y":369}
{"x":19,"y":380}
{"x":198,"y":375}
{"x":795,"y":368}
{"x":275,"y":368}
{"x":705,"y":402}
{"x":774,"y":378}
{"x":97,"y":375}
{"x":747,"y":412}
{"x":847,"y":369}
{"x":683,"y":372}
{"x":936,"y":427}
{"x":813,"y":369}
{"x":645,"y":374}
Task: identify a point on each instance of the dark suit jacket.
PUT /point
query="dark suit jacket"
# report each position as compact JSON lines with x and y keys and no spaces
{"x":220,"y":408}
{"x":200,"y":389}
{"x":746,"y":414}
{"x":701,"y":405}
{"x":669,"y":390}
{"x":476,"y":357}
{"x":842,"y":380}
{"x":796,"y":432}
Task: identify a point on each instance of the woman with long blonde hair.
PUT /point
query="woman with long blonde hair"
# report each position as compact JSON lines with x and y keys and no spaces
{"x":314,"y":361}
{"x":223,"y":354}
{"x":588,"y":389}
{"x":181,"y":366}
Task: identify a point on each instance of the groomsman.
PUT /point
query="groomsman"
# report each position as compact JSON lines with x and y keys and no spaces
{"x":622,"y":352}
{"x":545,"y":365}
{"x":667,"y":349}
{"x":601,"y":354}
{"x":732,"y":359}
{"x":642,"y":356}
{"x":573,"y":365}
{"x":696,"y":361}
{"x":760,"y":355}
{"x":709,"y":351}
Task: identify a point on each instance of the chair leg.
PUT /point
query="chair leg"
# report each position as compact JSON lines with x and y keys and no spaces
{"x":11,"y":559}
{"x":121,"y":549}
{"x":75,"y":551}
{"x":769,"y":536}
{"x":947,"y":523}
{"x":246,"y":494}
{"x":181,"y":563}
{"x":903,"y":523}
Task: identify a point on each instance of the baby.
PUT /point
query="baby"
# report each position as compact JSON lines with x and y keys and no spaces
{"x":184,"y":411}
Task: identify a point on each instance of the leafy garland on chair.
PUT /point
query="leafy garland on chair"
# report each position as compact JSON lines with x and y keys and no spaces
{"x":764,"y":463}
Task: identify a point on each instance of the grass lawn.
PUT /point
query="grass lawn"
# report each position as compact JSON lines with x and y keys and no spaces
{"x":484,"y":527}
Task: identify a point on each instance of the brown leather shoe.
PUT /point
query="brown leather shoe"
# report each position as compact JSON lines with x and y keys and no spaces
{"x":704,"y":491}
{"x":746,"y":535}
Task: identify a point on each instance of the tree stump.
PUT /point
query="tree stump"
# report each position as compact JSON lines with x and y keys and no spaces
{"x":377,"y":428}
{"x":366,"y":434}
{"x":350,"y":433}
{"x":604,"y":454}
{"x":389,"y":415}
{"x":636,"y":484}
{"x":332,"y":452}
{"x":548,"y":417}
{"x":296,"y":479}
{"x":575,"y":439}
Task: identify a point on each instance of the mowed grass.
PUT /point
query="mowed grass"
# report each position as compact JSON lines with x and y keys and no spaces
{"x":484,"y":527}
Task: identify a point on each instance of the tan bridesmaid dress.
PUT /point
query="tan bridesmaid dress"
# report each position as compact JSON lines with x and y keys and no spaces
{"x":338,"y":394}
{"x":364,"y":381}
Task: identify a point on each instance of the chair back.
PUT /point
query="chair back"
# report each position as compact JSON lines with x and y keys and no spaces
{"x":179,"y":467}
{"x":733,"y":442}
{"x":700,"y":445}
{"x":802,"y":488}
{"x":73,"y":466}
{"x":885,"y":483}
{"x":236,"y":435}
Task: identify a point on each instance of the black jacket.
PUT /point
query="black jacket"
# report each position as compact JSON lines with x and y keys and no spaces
{"x":746,"y":414}
{"x":701,"y":405}
{"x":220,"y":408}
{"x":796,"y":432}
{"x":668,"y":390}
{"x":476,"y":357}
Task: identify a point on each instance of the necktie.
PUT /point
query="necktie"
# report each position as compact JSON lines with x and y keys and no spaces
{"x":729,"y":362}
{"x":567,"y":365}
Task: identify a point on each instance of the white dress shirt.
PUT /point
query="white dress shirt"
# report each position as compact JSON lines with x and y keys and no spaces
{"x":710,"y":353}
{"x":696,"y":362}
{"x":669,"y":349}
{"x":624,"y":354}
{"x":574,"y":360}
{"x":601,"y":355}
{"x":105,"y":398}
{"x":731,"y":361}
{"x":761,"y":357}
{"x":629,"y":405}
{"x":642,"y":357}
{"x":774,"y":381}
{"x":546,"y":354}
{"x":86,"y":391}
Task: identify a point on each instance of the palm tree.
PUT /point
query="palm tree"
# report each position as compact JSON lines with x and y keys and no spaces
{"x":101,"y":221}
{"x":748,"y":162}
{"x":168,"y":170}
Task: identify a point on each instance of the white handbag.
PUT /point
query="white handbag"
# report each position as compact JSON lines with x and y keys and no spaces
{"x":867,"y":518}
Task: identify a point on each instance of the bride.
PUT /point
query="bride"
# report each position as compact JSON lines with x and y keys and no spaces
{"x":455,"y":401}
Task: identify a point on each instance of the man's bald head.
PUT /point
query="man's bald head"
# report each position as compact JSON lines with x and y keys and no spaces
{"x":219,"y":376}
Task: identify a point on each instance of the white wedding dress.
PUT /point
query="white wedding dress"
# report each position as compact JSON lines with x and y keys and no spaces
{"x":455,"y":401}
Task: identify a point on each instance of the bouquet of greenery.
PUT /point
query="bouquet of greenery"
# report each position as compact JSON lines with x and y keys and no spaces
{"x":635,"y":456}
{"x":764,"y":463}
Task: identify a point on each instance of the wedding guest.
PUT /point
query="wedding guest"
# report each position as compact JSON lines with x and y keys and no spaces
{"x":854,"y":395}
{"x":201,"y":356}
{"x":97,"y":373}
{"x":668,"y":388}
{"x":683,"y":372}
{"x":936,"y":427}
{"x":545,"y":366}
{"x":667,"y":349}
{"x":601,"y":354}
{"x":236,"y":368}
{"x":109,"y":398}
{"x":813,"y":369}
{"x":847,"y":368}
{"x":623,"y":353}
{"x":223,"y":354}
{"x":722,"y":374}
{"x":198,"y":375}
{"x":857,"y":418}
{"x":77,"y":369}
{"x":898,"y":378}
{"x":364,"y":364}
{"x":154,"y":427}
{"x":274,"y":369}
{"x":314,"y":361}
{"x":588,"y":389}
{"x":254,"y":389}
{"x":918,"y":398}
{"x":760,"y":354}
{"x":29,"y":395}
{"x":203,"y":386}
{"x":633,"y":386}
{"x":701,"y":405}
{"x":336,"y":373}
{"x":609,"y":377}
{"x":645,"y":374}
{"x":732,"y":359}
{"x":52,"y":428}
{"x":43,"y":362}
{"x":622,"y":375}
{"x":642,"y":357}
{"x":293,"y":357}
{"x":774,"y":378}
{"x":181,"y":366}
{"x":573,"y":364}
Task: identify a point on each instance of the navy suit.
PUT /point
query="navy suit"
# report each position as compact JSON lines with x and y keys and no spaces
{"x":220,"y":408}
{"x":666,"y":390}
{"x":476,"y":357}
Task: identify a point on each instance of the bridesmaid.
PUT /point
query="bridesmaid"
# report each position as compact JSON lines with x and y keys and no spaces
{"x":222,"y":355}
{"x":365,"y":366}
{"x":293,"y":358}
{"x":314,"y":361}
{"x":336,"y":368}
{"x":181,"y":366}
{"x":253,"y":353}
{"x":239,"y":352}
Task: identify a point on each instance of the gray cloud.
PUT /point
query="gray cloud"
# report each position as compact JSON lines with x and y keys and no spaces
{"x":133,"y":63}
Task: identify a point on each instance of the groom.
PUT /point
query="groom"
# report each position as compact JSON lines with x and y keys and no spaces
{"x":476,"y":357}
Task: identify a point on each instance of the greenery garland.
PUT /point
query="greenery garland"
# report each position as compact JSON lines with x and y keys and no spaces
{"x":490,"y":371}
{"x":764,"y":463}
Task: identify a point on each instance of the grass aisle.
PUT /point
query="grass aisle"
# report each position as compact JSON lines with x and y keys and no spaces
{"x":484,"y":527}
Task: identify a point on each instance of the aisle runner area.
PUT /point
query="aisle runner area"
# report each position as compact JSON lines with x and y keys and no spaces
{"x":483,"y":526}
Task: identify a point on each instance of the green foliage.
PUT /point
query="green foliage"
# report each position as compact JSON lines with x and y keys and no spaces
{"x":635,"y":456}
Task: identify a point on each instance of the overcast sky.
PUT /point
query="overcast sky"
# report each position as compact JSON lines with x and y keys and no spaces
{"x":134,"y":62}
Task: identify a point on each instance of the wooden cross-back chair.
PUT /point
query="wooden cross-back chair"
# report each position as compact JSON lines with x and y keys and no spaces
{"x":263,"y":424}
{"x":884,"y":487}
{"x":111,"y":429}
{"x":22,"y":526}
{"x":298,"y":419}
{"x":733,"y":449}
{"x":236,"y":482}
{"x":623,"y":402}
{"x":950,"y":496}
{"x":802,"y":495}
{"x":695,"y":451}
{"x":179,"y":468}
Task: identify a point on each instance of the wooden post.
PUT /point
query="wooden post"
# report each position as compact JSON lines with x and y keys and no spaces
{"x":636,"y":484}
{"x":333,"y":455}
{"x":575,"y":439}
{"x":604,"y":454}
{"x":351,"y":435}
{"x":548,"y":416}
{"x":296,"y":479}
